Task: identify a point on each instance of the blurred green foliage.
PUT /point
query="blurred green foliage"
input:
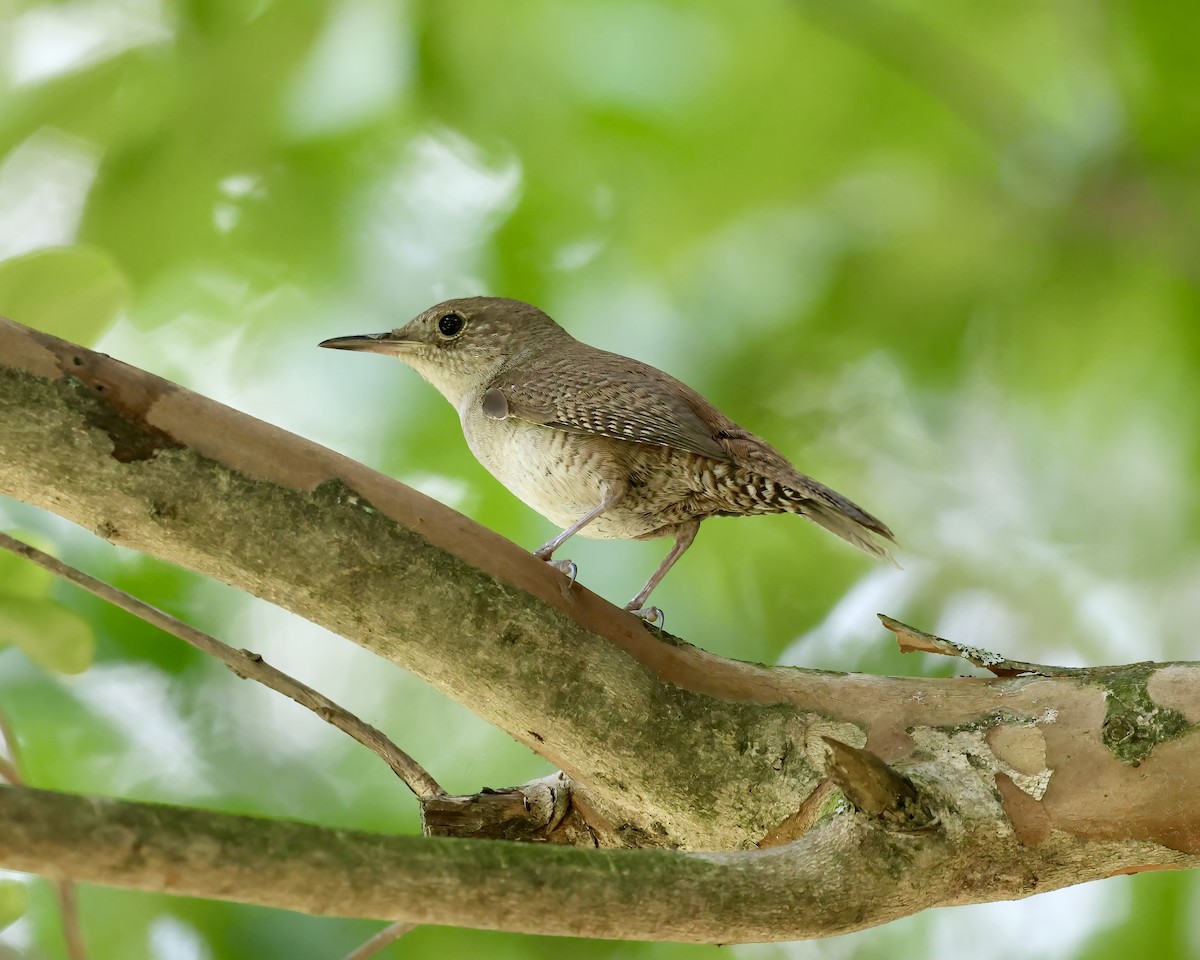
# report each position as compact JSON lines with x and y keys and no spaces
{"x":51,"y":635}
{"x":943,"y":255}
{"x":14,"y":901}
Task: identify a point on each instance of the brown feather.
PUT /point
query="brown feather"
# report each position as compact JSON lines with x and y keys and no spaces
{"x":611,"y":396}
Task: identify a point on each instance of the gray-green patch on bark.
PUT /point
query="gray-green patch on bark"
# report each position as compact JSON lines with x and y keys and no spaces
{"x":1134,"y":724}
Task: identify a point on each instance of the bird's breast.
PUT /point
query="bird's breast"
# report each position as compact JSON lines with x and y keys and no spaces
{"x":562,"y":476}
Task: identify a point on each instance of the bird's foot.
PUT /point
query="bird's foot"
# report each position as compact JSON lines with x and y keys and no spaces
{"x":563,"y":566}
{"x":650,"y":615}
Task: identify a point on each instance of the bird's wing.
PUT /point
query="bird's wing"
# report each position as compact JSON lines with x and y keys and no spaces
{"x":609,"y":396}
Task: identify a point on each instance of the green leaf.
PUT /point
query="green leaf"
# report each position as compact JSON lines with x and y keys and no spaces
{"x":72,"y":292}
{"x":52,"y":636}
{"x":14,"y":901}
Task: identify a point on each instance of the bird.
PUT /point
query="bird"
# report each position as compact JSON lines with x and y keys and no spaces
{"x":600,"y":444}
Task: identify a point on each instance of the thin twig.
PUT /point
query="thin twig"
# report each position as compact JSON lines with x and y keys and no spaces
{"x":247,"y":665}
{"x":389,"y":934}
{"x":912,"y":640}
{"x":68,"y":905}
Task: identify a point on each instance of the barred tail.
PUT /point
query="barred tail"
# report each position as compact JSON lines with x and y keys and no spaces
{"x":854,"y":525}
{"x":766,"y":476}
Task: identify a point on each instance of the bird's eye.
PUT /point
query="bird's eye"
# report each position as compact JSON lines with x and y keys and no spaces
{"x":451,"y":325}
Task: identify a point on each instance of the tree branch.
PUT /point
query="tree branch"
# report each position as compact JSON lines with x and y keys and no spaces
{"x":1033,"y":782}
{"x":843,"y":875}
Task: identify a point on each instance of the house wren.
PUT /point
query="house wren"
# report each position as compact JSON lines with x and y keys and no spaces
{"x":600,"y":444}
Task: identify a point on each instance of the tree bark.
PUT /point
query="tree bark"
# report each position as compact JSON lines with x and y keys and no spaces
{"x":1030,"y":782}
{"x":841,"y":876}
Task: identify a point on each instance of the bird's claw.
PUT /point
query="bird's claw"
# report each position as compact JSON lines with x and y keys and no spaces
{"x":565,"y":566}
{"x":651,"y":615}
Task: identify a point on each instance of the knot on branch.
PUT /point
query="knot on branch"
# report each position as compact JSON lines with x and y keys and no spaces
{"x":878,"y":790}
{"x":539,"y":811}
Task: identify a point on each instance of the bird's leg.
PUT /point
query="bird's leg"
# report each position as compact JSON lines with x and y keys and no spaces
{"x":546,"y":550}
{"x":685,"y":533}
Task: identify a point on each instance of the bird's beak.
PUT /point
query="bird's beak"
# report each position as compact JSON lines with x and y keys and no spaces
{"x":369,"y":343}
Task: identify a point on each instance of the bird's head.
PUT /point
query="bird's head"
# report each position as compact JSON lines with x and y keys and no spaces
{"x":459,"y":346}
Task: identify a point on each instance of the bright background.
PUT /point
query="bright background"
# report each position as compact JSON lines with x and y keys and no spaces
{"x":943,"y":255}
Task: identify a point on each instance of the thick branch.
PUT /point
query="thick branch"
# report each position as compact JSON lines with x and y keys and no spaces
{"x":800,"y":890}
